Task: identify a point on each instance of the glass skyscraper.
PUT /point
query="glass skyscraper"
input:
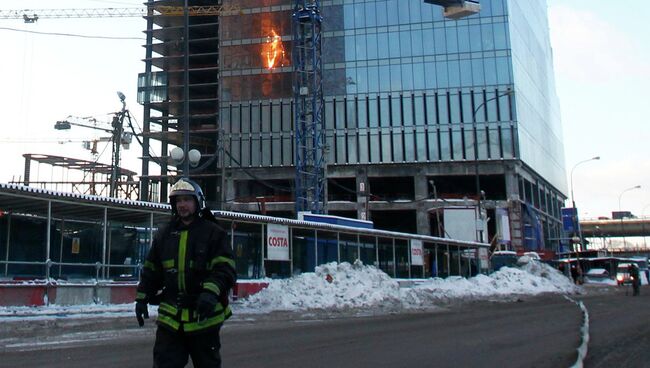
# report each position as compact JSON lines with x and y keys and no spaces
{"x":421,"y":113}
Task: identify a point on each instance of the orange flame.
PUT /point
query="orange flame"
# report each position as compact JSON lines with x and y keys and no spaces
{"x":273,"y":52}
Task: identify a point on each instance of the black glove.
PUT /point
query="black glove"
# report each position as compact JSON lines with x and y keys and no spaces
{"x":205,"y":305}
{"x":141,"y":311}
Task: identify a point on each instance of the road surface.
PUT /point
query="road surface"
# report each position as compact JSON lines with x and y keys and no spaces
{"x":539,"y":331}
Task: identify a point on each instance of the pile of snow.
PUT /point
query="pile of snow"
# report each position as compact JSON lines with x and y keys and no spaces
{"x":358,"y":285}
{"x":348,"y":285}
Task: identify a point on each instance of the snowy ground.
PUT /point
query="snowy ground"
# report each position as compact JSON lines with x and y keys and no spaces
{"x":350,"y":286}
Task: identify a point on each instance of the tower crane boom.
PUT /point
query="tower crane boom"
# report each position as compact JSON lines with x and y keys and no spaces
{"x":32,"y":15}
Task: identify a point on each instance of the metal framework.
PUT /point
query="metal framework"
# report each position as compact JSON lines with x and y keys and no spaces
{"x":308,"y":107}
{"x":32,"y":15}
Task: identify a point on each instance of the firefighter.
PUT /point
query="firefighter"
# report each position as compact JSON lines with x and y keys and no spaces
{"x":189,"y":269}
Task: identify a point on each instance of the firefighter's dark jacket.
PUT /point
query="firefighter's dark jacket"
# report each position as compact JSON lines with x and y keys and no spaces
{"x":183,"y":262}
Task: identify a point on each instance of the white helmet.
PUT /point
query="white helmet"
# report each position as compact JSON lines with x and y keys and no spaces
{"x":185,"y":186}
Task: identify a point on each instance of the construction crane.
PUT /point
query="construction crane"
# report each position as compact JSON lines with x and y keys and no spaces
{"x":33,"y":15}
{"x":310,"y":180}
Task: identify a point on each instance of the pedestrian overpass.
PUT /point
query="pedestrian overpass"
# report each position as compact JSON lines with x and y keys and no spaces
{"x":615,"y":228}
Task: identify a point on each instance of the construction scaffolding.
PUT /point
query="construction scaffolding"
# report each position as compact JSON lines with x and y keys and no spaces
{"x":78,"y":176}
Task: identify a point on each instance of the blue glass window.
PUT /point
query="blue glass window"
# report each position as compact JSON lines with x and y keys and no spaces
{"x":407,"y":107}
{"x":348,"y":16}
{"x":362,"y":112}
{"x":407,"y":77}
{"x":430,"y":76}
{"x":373,"y":79}
{"x":498,"y":7}
{"x":463,"y":39}
{"x":359,"y":15}
{"x":427,"y":42}
{"x":386,"y":147}
{"x":477,"y":72}
{"x":398,"y":153}
{"x":416,"y":10}
{"x":375,"y":153}
{"x":440,"y":41}
{"x":469,"y":143}
{"x":457,"y":144}
{"x":395,"y":78}
{"x":443,"y":111}
{"x":384,"y":78}
{"x":507,"y":141}
{"x":494,"y":143}
{"x":360,"y":43}
{"x":362,"y":80}
{"x":403,"y":11}
{"x":445,"y":146}
{"x":418,"y":109}
{"x":452,"y":40}
{"x":382,"y":45}
{"x":416,"y":43}
{"x":500,"y":38}
{"x":418,"y":76}
{"x":442,"y":77}
{"x":487,"y":37}
{"x":371,"y":16}
{"x":466,"y":73}
{"x":490,"y":71}
{"x":454,"y":73}
{"x":503,"y":70}
{"x":371,"y":43}
{"x":392,"y":10}
{"x":410,"y":145}
{"x":434,"y":136}
{"x":393,"y":45}
{"x":421,"y":144}
{"x":475,"y":38}
{"x":351,"y":114}
{"x":382,"y":14}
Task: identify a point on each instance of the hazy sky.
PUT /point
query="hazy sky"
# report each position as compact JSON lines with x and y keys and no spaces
{"x":601,"y":53}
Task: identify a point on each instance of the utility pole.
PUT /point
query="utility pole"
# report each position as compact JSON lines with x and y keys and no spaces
{"x":118,"y":130}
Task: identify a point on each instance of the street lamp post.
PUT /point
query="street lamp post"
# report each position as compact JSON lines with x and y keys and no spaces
{"x":576,"y":223}
{"x":619,"y":210}
{"x":645,"y":246}
{"x":479,"y":193}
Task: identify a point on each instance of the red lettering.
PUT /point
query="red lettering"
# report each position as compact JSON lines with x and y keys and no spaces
{"x":275,"y":241}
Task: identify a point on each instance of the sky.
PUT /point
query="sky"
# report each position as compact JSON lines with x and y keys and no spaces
{"x":601,"y":58}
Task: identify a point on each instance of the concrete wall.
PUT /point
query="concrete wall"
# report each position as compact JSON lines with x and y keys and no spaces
{"x":38,"y":294}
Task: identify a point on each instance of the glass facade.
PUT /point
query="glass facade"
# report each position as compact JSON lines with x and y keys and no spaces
{"x":402,"y":84}
{"x":458,"y":102}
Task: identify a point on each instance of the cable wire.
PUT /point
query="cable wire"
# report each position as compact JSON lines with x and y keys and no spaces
{"x":72,"y":34}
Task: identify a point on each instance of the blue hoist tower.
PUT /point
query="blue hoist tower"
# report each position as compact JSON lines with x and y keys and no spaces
{"x":308,"y":107}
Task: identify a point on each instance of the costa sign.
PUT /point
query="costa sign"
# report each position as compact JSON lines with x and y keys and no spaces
{"x":277,"y":242}
{"x":417,"y":258}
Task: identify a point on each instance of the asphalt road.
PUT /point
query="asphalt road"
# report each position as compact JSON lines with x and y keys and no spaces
{"x":533,"y":332}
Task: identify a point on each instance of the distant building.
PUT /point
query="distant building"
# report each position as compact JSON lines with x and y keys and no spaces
{"x":416,"y":107}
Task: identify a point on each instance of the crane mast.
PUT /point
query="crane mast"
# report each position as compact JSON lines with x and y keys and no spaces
{"x":310,"y":156}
